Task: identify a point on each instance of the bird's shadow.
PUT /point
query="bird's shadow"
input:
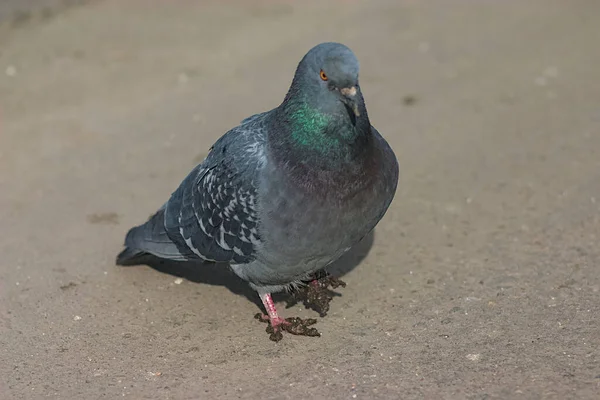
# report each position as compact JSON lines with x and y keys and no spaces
{"x":221,"y":275}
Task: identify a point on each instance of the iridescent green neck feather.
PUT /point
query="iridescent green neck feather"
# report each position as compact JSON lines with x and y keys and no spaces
{"x":308,"y":127}
{"x":312,"y":130}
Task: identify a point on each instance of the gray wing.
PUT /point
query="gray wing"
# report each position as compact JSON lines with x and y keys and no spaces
{"x":212,"y":215}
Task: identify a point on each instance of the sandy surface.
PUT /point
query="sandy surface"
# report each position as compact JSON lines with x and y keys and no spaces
{"x":482,"y":282}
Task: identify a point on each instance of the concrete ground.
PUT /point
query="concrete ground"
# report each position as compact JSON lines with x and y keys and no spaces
{"x":482,"y":281}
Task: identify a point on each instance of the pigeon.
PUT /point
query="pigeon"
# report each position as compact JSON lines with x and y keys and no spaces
{"x":286,"y":192}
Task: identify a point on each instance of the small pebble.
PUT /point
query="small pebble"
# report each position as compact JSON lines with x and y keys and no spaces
{"x":551,"y":72}
{"x":76,"y":318}
{"x":178,"y":281}
{"x":183,"y":78}
{"x":11,"y":71}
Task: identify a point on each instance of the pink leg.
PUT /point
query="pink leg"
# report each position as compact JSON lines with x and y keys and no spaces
{"x":274,"y":318}
{"x":295,"y":326}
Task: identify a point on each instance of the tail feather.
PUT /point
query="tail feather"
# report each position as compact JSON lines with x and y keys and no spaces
{"x":131,"y":256}
{"x":149,"y":238}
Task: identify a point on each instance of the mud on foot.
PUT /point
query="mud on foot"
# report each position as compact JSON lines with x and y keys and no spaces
{"x":293,"y":325}
{"x":316,"y":295}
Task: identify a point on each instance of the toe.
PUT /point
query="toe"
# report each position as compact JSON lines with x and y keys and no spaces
{"x":298,"y":326}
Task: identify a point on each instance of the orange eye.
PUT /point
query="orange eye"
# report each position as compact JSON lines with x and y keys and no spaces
{"x":323,"y":76}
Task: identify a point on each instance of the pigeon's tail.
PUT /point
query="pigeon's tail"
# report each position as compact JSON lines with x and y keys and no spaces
{"x":149,"y":238}
{"x":131,"y":256}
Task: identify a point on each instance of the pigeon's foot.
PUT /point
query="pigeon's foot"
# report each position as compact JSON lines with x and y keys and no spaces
{"x":317,"y":294}
{"x":293,"y":325}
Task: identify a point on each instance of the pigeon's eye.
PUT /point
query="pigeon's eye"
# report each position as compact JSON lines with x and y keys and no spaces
{"x":323,"y":76}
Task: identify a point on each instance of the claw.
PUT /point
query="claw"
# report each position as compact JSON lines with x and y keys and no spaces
{"x":317,"y":295}
{"x":293,"y":325}
{"x":276,"y":324}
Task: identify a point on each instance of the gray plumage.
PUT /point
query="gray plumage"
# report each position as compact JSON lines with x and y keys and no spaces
{"x":287,"y":191}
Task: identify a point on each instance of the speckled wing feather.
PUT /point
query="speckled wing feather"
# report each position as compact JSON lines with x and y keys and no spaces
{"x":212,"y":215}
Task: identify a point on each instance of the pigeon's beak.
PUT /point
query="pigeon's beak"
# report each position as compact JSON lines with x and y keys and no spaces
{"x":349,"y":98}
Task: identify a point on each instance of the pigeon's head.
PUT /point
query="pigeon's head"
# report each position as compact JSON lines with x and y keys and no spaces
{"x":328,"y":75}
